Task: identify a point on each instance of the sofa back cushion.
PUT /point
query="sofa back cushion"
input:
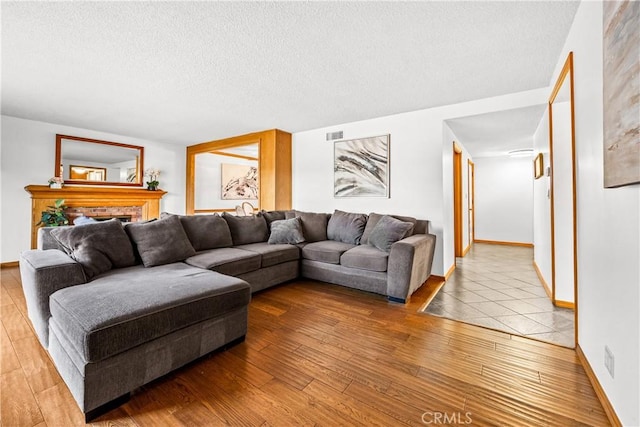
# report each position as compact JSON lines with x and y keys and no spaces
{"x":205,"y":231}
{"x":388,"y":231}
{"x":247,"y":229}
{"x":373,"y":221}
{"x":314,"y":225}
{"x":160,"y":242}
{"x":271,"y":216}
{"x":98,"y":247}
{"x":346,"y":227}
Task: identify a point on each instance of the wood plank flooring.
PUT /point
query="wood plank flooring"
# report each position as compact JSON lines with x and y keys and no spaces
{"x":319,"y":354}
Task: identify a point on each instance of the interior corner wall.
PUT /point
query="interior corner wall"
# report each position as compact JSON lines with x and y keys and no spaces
{"x":504,"y":199}
{"x":28,"y":157}
{"x":542,"y":203}
{"x":608,"y":230}
{"x":421,"y":183}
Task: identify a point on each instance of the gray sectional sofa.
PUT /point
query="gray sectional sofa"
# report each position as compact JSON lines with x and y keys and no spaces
{"x":118,"y":306}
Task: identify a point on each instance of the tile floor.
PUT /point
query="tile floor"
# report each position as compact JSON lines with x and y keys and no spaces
{"x":496,"y":286}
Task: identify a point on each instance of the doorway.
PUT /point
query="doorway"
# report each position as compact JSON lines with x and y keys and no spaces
{"x":471,"y":201}
{"x":457,"y":200}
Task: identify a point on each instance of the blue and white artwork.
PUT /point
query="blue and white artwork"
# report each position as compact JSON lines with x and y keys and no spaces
{"x":361,"y":167}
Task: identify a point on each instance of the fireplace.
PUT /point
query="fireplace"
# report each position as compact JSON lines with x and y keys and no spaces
{"x":134,"y":204}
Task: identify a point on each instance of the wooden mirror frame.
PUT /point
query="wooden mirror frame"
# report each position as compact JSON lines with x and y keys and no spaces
{"x":566,"y":73}
{"x":139,"y":162}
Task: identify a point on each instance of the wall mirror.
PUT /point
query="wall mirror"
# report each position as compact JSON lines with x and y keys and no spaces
{"x":94,"y":162}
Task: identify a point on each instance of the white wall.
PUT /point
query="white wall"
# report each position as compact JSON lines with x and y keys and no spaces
{"x":421,"y":169}
{"x":504,"y":199}
{"x":28,"y":157}
{"x":542,"y":203}
{"x":608,"y":231}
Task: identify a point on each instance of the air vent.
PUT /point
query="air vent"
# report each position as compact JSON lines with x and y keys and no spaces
{"x":331,"y":136}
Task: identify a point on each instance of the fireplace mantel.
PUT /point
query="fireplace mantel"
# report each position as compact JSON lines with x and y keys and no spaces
{"x":42,"y":196}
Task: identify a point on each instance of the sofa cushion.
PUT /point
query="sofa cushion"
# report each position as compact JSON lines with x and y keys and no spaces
{"x":247,"y":229}
{"x":373,"y":219}
{"x":365,"y":257}
{"x":98,"y":247}
{"x":314,"y":225}
{"x":326,"y":251}
{"x":388,"y":231}
{"x":272,"y":254}
{"x":128,"y":307}
{"x":205,"y":231}
{"x":346,"y":227}
{"x":160,"y":242}
{"x":271,"y":216}
{"x":230,"y":261}
{"x":286,"y":231}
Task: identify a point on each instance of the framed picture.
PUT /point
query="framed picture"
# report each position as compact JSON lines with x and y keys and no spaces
{"x":538,"y":166}
{"x":621,"y":93}
{"x":361,"y":167}
{"x":239,"y":182}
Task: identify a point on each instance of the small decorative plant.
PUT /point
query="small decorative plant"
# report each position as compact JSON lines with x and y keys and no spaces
{"x":54,"y":216}
{"x":152,"y":174}
{"x":56,"y":182}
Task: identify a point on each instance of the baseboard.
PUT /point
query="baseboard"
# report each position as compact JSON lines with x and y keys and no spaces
{"x":449,"y":272}
{"x":564,"y":304}
{"x":9,"y":264}
{"x":545,"y":285}
{"x":466,"y":250}
{"x":602,"y":397}
{"x":498,"y":242}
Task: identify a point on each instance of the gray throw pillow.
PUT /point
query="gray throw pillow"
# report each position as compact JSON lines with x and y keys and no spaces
{"x":388,"y":231}
{"x":271,"y":216}
{"x":247,"y":229}
{"x":373,"y":219}
{"x":205,"y":231}
{"x":346,"y":227}
{"x":98,"y":247}
{"x":286,"y":231}
{"x":314,"y":225}
{"x":160,"y":242}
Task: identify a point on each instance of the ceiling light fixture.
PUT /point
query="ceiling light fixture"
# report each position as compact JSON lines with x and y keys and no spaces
{"x":524,"y":152}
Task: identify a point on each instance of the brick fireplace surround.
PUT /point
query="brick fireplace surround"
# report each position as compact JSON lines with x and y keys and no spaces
{"x":139,"y":203}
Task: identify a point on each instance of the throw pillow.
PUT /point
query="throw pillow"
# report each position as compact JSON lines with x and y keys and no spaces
{"x":314,"y":225}
{"x":286,"y":231}
{"x":205,"y":231}
{"x":346,"y":227}
{"x":388,"y":231}
{"x":247,"y":229}
{"x":160,"y":242}
{"x":373,"y":219}
{"x":98,"y":247}
{"x":271,"y":216}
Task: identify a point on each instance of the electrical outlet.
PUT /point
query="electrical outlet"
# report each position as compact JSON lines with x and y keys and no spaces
{"x":609,"y":360}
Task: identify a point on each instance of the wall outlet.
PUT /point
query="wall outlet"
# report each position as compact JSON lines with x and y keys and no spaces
{"x":609,"y":360}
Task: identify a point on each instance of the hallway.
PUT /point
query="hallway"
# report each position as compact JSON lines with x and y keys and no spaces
{"x":496,"y":286}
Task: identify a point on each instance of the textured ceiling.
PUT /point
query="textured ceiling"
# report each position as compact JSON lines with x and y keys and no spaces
{"x":188,"y":72}
{"x":497,"y":133}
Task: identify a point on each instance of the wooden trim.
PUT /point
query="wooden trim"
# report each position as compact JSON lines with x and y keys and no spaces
{"x":466,"y":250}
{"x":450,"y":271}
{"x":602,"y":396}
{"x":237,"y":156}
{"x":457,"y":200}
{"x":564,"y":304}
{"x":499,"y":242}
{"x":472,"y":197}
{"x":10,"y":264}
{"x":545,"y":285}
{"x":457,"y":148}
{"x":197,"y":211}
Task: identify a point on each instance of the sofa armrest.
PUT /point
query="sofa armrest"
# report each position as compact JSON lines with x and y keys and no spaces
{"x":409,"y":266}
{"x":42,"y":274}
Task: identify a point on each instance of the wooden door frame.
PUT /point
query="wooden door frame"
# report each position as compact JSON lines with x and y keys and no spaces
{"x":457,"y":200}
{"x":471,"y":174}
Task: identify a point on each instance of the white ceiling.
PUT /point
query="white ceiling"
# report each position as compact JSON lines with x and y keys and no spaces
{"x":188,"y":72}
{"x":497,"y":133}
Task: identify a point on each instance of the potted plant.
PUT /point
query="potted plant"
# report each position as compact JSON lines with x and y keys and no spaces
{"x":54,"y":216}
{"x":56,"y":182}
{"x":153,"y":175}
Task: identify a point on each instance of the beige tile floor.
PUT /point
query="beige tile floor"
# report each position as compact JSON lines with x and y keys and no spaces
{"x":496,"y":286}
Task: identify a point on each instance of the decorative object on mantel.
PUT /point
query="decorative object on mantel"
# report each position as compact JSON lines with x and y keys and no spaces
{"x":56,"y":182}
{"x":361,"y":167}
{"x":54,"y":216}
{"x":153,"y":175}
{"x":621,"y":93}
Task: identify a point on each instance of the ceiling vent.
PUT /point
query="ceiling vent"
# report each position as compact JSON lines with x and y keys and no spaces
{"x":332,"y":136}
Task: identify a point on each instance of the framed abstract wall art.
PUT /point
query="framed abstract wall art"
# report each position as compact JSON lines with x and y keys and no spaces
{"x":239,"y":182}
{"x":361,"y":167}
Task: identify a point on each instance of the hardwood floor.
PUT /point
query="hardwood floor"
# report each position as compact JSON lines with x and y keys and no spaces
{"x":319,"y":354}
